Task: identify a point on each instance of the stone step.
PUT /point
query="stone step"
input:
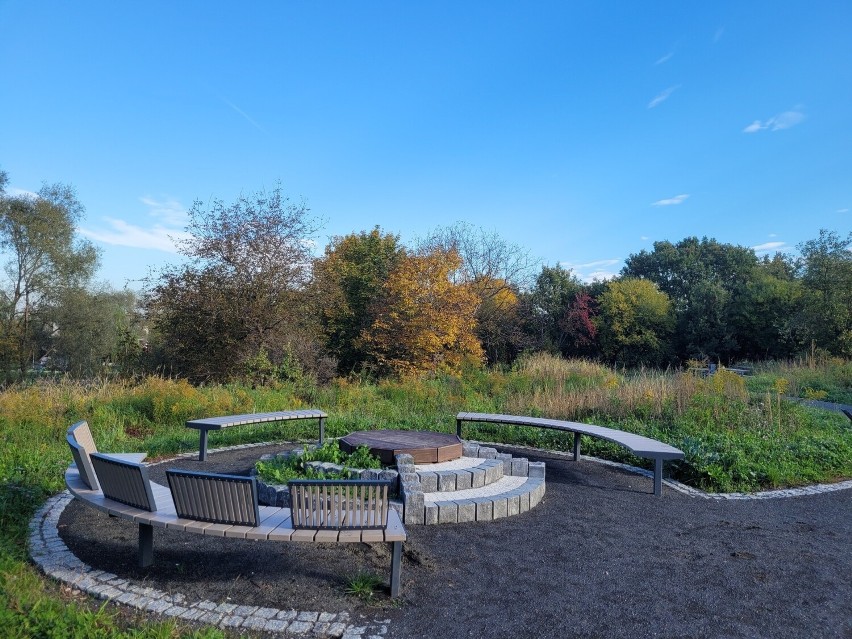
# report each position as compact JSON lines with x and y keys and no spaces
{"x":504,"y":498}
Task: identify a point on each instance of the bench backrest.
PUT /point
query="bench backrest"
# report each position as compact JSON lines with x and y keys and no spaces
{"x":220,"y":499}
{"x":82,"y":445}
{"x":339,"y":504}
{"x":124,"y":481}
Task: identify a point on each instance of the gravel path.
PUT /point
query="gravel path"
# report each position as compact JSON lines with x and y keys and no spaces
{"x":599,"y":557}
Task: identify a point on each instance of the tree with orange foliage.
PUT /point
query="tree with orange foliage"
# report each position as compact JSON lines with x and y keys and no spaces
{"x":423,"y":322}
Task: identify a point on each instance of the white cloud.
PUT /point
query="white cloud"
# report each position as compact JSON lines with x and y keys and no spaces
{"x":785,"y":120}
{"x":677,"y":199}
{"x":248,"y":118}
{"x":163,"y":235}
{"x":773,"y":235}
{"x":718,"y":35}
{"x":767,"y":247}
{"x":15,"y":192}
{"x":662,"y":97}
{"x":842,"y":210}
{"x":644,"y":238}
{"x":591,"y":271}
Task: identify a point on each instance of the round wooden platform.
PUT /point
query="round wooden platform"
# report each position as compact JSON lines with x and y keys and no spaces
{"x":424,"y":447}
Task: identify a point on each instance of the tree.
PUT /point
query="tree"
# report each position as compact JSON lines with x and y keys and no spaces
{"x":495,"y":271}
{"x":701,"y":277}
{"x":43,"y":258}
{"x":347,"y":280}
{"x":549,"y":300}
{"x":578,"y":325}
{"x":243,"y":291}
{"x":826,"y":275}
{"x":635,"y":323}
{"x":423,"y":322}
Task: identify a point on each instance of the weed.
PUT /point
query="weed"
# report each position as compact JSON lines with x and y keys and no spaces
{"x":363,"y":585}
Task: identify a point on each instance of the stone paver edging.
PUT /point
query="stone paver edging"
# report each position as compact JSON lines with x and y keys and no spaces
{"x":50,"y":553}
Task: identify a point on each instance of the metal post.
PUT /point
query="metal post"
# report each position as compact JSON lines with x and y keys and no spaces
{"x":458,"y":428}
{"x":322,"y":430}
{"x":202,"y":444}
{"x":396,"y":564}
{"x":658,"y":477}
{"x":576,"y":446}
{"x":146,"y":545}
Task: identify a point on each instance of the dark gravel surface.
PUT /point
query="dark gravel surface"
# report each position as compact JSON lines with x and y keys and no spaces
{"x":599,"y":557}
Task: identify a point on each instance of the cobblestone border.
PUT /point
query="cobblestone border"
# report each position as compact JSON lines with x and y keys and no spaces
{"x":52,"y":556}
{"x":816,"y":489}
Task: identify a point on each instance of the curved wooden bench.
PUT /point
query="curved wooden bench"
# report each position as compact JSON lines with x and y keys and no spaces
{"x":636,"y":444}
{"x":203,"y":426}
{"x":226,"y":506}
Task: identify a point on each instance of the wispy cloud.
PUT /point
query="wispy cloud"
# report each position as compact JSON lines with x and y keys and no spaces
{"x":671,"y":201}
{"x":718,"y":35}
{"x":644,"y":238}
{"x":779,"y":122}
{"x":663,"y":96}
{"x":162,"y":235}
{"x":842,"y":210}
{"x":591,"y":271}
{"x":248,"y":118}
{"x":665,"y":58}
{"x":768,"y":247}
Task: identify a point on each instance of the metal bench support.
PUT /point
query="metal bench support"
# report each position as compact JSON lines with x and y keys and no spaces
{"x":576,"y":446}
{"x":658,"y":476}
{"x":146,"y":545}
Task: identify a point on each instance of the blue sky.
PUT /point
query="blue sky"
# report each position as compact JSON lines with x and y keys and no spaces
{"x":583,"y":131}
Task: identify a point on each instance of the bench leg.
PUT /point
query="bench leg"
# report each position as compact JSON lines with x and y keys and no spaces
{"x":576,"y":446}
{"x":658,"y":477}
{"x":146,"y":545}
{"x":458,"y":428}
{"x":202,"y":444}
{"x":396,"y":568}
{"x":322,"y":430}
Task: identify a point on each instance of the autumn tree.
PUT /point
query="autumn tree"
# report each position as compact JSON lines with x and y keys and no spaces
{"x":635,"y":323}
{"x":423,"y":322}
{"x":241,"y":293}
{"x":43,"y":257}
{"x":578,"y":325}
{"x":347,"y":280}
{"x":495,"y":271}
{"x":553,"y":292}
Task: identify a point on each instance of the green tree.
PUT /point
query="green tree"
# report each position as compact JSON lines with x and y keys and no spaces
{"x":43,"y":258}
{"x":347,"y":281}
{"x":701,"y":277}
{"x":826,"y":274}
{"x":550,"y":298}
{"x":635,"y":323}
{"x":243,"y":291}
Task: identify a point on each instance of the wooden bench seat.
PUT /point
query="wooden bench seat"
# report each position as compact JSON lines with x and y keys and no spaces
{"x":636,"y":444}
{"x":216,"y":505}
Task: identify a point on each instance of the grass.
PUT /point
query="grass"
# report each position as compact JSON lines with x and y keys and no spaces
{"x":737,"y":433}
{"x":364,"y":585}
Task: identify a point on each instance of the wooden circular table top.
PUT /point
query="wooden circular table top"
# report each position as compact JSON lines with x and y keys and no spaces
{"x":424,"y":446}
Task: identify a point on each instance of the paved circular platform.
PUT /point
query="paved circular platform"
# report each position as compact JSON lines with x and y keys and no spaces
{"x":425,"y":447}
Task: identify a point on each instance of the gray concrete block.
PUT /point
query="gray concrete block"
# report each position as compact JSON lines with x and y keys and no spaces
{"x":446,"y":481}
{"x":477,"y":477}
{"x":430,"y":514}
{"x":520,"y":467}
{"x":429,"y":482}
{"x":413,"y":507}
{"x":463,"y":480}
{"x":500,"y":508}
{"x":405,"y":460}
{"x":506,"y":458}
{"x":493,"y":472}
{"x":486,"y":452}
{"x":466,"y":511}
{"x":524,"y":501}
{"x":448,"y":512}
{"x":513,"y":505}
{"x":536,"y":469}
{"x":469,"y":449}
{"x":484,"y":510}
